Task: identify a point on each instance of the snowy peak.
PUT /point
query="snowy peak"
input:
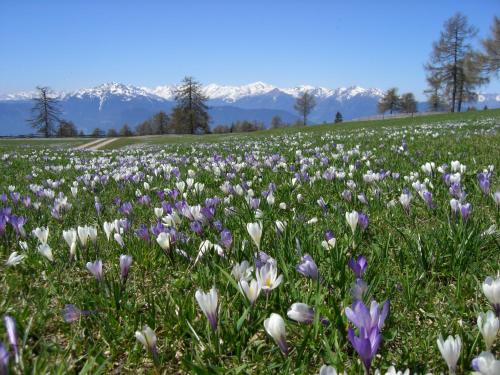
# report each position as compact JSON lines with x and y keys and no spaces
{"x":225,"y":93}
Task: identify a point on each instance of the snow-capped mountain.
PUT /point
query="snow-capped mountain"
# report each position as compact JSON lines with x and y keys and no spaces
{"x":111,"y":105}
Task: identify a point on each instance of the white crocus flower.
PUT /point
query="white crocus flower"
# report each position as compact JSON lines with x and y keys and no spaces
{"x":486,"y":364}
{"x":251,"y":290}
{"x":46,"y":251}
{"x":242,"y":271}
{"x":275,"y":327}
{"x":267,"y":277}
{"x":488,"y":325}
{"x":352,"y":220}
{"x":14,"y":259}
{"x":163,"y":240}
{"x":450,"y":350}
{"x":158,"y":212}
{"x":42,"y":234}
{"x":70,"y":237}
{"x":255,"y":232}
{"x":147,"y":337}
{"x":108,"y":229}
{"x":491,"y":289}
{"x":83,"y":235}
{"x":208,"y":303}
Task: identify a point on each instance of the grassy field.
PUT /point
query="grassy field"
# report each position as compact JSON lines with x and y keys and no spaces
{"x":415,"y":197}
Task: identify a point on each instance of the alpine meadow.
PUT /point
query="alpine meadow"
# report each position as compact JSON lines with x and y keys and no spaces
{"x":252,"y":228}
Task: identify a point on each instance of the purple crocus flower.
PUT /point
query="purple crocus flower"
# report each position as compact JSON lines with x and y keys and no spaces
{"x":261,"y":259}
{"x":26,"y":201}
{"x":96,"y":269}
{"x":358,"y":289}
{"x":484,"y":182}
{"x":427,"y":197}
{"x":71,"y":313}
{"x":363,"y":220}
{"x":465,"y":211}
{"x":125,"y":263}
{"x":358,"y":266}
{"x":126,"y":208}
{"x":366,"y":345}
{"x":98,"y":207}
{"x":142,"y":232}
{"x":196,"y":227}
{"x":329,"y":235}
{"x":322,"y":204}
{"x":157,"y":228}
{"x":17,"y":223}
{"x":308,"y":267}
{"x":144,"y":200}
{"x":226,"y":239}
{"x":10,"y":327}
{"x":369,"y":323}
{"x":4,"y":360}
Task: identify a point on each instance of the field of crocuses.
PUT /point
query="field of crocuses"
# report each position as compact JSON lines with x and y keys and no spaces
{"x":366,"y":249}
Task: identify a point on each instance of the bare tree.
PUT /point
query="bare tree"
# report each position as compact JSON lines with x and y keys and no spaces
{"x":190,"y":115}
{"x":304,"y":104}
{"x":448,"y":55}
{"x":45,"y":112}
{"x":389,"y":102}
{"x":492,"y":49}
{"x":407,"y":103}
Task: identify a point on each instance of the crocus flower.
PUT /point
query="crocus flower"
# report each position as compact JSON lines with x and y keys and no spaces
{"x":358,"y":289}
{"x":208,"y":304}
{"x":96,"y":269}
{"x":10,"y":327}
{"x":352,"y":220}
{"x":108,"y":229}
{"x":147,"y":337}
{"x":267,"y":277}
{"x":70,"y":237}
{"x":14,"y":259}
{"x":226,"y":239}
{"x":358,"y":266}
{"x":491,"y":289}
{"x":242,"y":271}
{"x":42,"y":234}
{"x":261,"y":259}
{"x":308,"y":267}
{"x":329,"y":370}
{"x":361,"y":317}
{"x":301,"y":312}
{"x":4,"y":360}
{"x":255,"y":232}
{"x":366,"y":344}
{"x":275,"y":327}
{"x":46,"y":251}
{"x":363,"y":221}
{"x":71,"y":313}
{"x":119,"y":239}
{"x":83,"y":235}
{"x":163,"y":240}
{"x":488,"y":325}
{"x":251,"y":290}
{"x":450,"y":350}
{"x":125,"y":263}
{"x":486,"y":364}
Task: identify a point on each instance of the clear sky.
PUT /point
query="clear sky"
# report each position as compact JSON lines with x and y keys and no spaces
{"x":72,"y":44}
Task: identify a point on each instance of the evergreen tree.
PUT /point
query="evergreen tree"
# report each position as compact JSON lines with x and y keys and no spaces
{"x":66,"y":129}
{"x":276,"y":122}
{"x":304,"y":104}
{"x":98,"y":133}
{"x":338,"y":118}
{"x":45,"y":112}
{"x":408,"y":104}
{"x":491,"y":57}
{"x":190,"y":114}
{"x":448,"y":55}
{"x":125,"y":131}
{"x":389,"y":102}
{"x":159,"y":123}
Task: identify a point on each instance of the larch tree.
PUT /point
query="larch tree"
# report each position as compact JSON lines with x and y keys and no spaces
{"x":304,"y":105}
{"x":45,"y":112}
{"x":491,"y":56}
{"x":407,"y":103}
{"x":191,"y":113}
{"x":448,"y":56}
{"x":338,"y":118}
{"x":389,"y":102}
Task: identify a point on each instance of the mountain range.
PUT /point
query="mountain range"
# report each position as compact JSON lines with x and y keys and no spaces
{"x":113,"y":104}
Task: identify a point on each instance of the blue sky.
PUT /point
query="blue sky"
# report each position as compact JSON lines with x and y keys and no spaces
{"x":73,"y":44}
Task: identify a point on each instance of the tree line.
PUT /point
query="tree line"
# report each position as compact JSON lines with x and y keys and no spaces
{"x":455,"y":71}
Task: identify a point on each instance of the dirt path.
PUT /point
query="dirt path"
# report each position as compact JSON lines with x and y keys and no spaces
{"x":102,"y":144}
{"x":88,"y":144}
